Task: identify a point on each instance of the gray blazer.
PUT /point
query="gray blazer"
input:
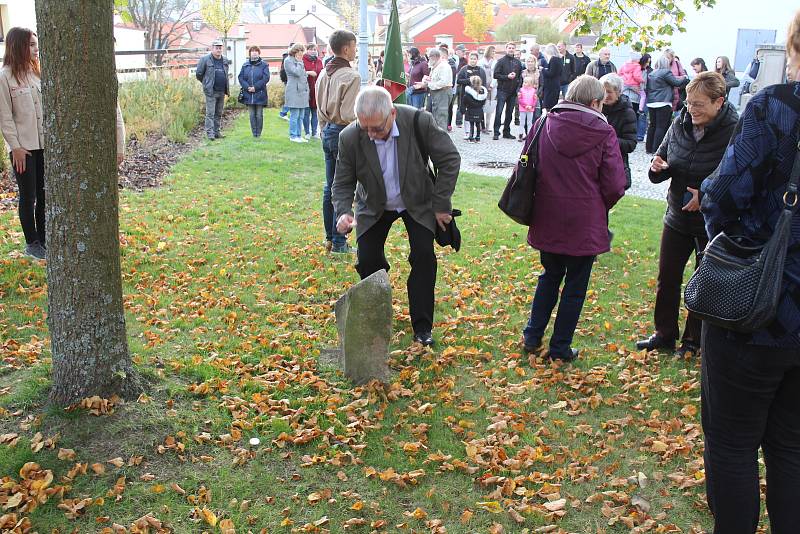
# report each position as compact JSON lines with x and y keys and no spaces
{"x":297,"y":91}
{"x":205,"y":73}
{"x":358,"y":172}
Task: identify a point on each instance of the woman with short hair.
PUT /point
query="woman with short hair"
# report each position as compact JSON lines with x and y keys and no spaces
{"x":21,"y":124}
{"x":253,"y":79}
{"x":723,"y":67}
{"x":750,"y":391}
{"x":313,"y":66}
{"x":297,"y":93}
{"x":580,"y":178}
{"x":620,"y":114}
{"x":550,"y":77}
{"x":690,"y":152}
{"x":660,"y":85}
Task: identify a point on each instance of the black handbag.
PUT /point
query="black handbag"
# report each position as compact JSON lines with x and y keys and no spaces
{"x":451,"y":235}
{"x":738,"y":282}
{"x":518,"y":196}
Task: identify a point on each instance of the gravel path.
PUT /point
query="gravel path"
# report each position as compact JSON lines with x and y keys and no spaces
{"x":507,"y":151}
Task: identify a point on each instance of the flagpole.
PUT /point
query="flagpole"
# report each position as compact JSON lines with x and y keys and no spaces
{"x":363,"y":43}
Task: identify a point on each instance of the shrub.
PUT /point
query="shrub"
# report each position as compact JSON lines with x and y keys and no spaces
{"x":275,"y":91}
{"x":171,"y":107}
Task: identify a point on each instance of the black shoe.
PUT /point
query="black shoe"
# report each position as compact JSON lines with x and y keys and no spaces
{"x":687,"y":348}
{"x":424,"y":338}
{"x":516,"y":122}
{"x":508,"y":136}
{"x":531,"y":349}
{"x":36,"y":251}
{"x":219,"y":136}
{"x":655,"y":342}
{"x":566,"y":358}
{"x":495,"y":137}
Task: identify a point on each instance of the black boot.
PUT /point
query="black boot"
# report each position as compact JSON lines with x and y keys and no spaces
{"x":656,"y":342}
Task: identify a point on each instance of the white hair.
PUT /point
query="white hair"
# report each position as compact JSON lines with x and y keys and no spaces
{"x":612,"y":81}
{"x":664,"y":62}
{"x":584,"y":90}
{"x":434,"y":53}
{"x":373,"y":101}
{"x":550,"y":50}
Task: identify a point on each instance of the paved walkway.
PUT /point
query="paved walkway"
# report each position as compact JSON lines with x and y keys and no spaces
{"x":507,"y":150}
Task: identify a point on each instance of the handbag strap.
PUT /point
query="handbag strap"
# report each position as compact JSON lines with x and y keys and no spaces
{"x":794,"y":179}
{"x":524,"y":157}
{"x":425,"y":157}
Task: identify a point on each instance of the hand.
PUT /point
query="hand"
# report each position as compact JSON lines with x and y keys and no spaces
{"x":512,"y":75}
{"x":120,"y":159}
{"x":18,"y":158}
{"x":694,"y":204}
{"x":419,"y":85}
{"x":311,"y":73}
{"x":443,"y":219}
{"x":251,"y":89}
{"x":658,"y":165}
{"x":345,"y":224}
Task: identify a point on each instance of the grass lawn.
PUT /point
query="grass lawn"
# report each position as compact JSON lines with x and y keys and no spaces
{"x":230,"y":302}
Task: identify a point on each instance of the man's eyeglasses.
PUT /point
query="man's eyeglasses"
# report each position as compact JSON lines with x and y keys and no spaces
{"x":377,"y":129}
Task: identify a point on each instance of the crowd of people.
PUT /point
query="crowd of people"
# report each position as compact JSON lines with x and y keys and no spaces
{"x":725,"y":172}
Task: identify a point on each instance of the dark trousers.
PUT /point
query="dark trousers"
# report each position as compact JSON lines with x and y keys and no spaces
{"x":750,"y":399}
{"x":256,"y":119}
{"x":31,"y":196}
{"x":660,"y":119}
{"x":475,"y":130}
{"x":450,"y":110}
{"x":676,"y":247}
{"x":422,"y":279}
{"x":330,"y":146}
{"x":577,"y":270}
{"x":507,"y":101}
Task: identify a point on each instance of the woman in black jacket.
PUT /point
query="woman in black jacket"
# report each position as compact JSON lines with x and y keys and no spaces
{"x":692,"y":149}
{"x":620,"y":114}
{"x":660,"y":93}
{"x":463,"y":81}
{"x":551,"y":77}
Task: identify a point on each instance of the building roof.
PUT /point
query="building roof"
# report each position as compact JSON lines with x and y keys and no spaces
{"x":505,"y":12}
{"x":430,"y":21}
{"x":274,"y":35}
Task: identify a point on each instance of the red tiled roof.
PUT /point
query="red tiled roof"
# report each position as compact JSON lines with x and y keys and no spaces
{"x":274,"y":35}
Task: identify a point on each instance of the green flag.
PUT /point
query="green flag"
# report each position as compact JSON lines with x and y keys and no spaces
{"x":394,"y":74}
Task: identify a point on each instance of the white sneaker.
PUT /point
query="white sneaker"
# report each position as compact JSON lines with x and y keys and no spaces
{"x":297,"y":140}
{"x":284,"y":117}
{"x":303,"y":140}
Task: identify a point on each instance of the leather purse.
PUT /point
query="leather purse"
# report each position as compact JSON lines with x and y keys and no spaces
{"x":738,"y":283}
{"x":518,"y":196}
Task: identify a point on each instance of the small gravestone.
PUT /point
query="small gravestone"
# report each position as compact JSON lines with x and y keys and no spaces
{"x":364,"y":321}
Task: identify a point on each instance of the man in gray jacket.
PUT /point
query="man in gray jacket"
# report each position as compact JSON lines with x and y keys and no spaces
{"x":380,"y":164}
{"x":212,"y":71}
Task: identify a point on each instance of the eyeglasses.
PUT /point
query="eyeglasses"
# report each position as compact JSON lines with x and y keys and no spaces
{"x":378,"y":129}
{"x":697,"y":105}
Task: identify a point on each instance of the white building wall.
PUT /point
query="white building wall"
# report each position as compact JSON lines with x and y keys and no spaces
{"x":17,"y":13}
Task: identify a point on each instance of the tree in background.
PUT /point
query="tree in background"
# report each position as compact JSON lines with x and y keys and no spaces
{"x":349,"y":10}
{"x":221,"y":14}
{"x":84,"y":282}
{"x":544,"y":29}
{"x":164,"y":21}
{"x":478,"y":18}
{"x":645,"y":24}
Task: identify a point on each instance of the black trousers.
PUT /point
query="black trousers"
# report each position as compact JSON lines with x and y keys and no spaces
{"x":750,"y":399}
{"x":676,"y":248}
{"x":31,"y":197}
{"x":505,"y":101}
{"x":422,"y":279}
{"x":660,"y":119}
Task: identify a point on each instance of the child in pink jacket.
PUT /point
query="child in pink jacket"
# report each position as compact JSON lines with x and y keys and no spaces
{"x":527,"y":106}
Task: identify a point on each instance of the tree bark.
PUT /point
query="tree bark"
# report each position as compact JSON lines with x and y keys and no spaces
{"x":79,"y":97}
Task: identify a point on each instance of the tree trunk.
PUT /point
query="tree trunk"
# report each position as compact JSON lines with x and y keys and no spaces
{"x":79,"y":95}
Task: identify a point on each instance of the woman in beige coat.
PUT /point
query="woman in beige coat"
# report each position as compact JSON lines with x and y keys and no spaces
{"x":21,"y":125}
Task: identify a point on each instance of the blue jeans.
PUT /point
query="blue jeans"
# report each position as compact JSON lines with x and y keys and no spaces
{"x":507,"y":100}
{"x":417,"y":100}
{"x":641,"y":125}
{"x":256,"y":119}
{"x":577,"y":269}
{"x":310,"y":115}
{"x":284,"y":111}
{"x":295,"y":118}
{"x":330,"y":146}
{"x":564,"y":87}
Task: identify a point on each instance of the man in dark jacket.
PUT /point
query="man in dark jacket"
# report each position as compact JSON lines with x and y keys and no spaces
{"x":212,"y":72}
{"x":691,"y":150}
{"x":508,"y":73}
{"x":581,"y":60}
{"x":568,"y":68}
{"x":381,"y":168}
{"x":621,"y":116}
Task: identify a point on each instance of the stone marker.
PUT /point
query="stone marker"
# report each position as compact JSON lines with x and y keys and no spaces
{"x":364,"y":321}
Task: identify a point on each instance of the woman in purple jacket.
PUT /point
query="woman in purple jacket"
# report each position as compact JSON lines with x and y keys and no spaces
{"x":580,"y":177}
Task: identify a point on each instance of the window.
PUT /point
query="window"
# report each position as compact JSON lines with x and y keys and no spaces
{"x":313,"y":8}
{"x":3,"y":17}
{"x":291,"y":8}
{"x":291,"y":21}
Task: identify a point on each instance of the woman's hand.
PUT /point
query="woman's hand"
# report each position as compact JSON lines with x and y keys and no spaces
{"x":311,"y":73}
{"x":694,"y":204}
{"x":658,"y":165}
{"x":18,"y":159}
{"x":251,"y":89}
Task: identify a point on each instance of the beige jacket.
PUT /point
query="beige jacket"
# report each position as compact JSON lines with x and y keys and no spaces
{"x":336,"y":97}
{"x":21,"y":111}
